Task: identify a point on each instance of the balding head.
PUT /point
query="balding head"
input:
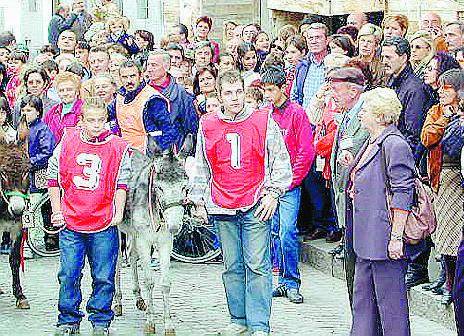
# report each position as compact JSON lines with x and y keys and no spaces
{"x":430,"y":20}
{"x":357,"y":20}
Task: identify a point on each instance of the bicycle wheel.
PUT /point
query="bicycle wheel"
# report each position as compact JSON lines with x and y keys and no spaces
{"x":195,"y":243}
{"x":37,"y":230}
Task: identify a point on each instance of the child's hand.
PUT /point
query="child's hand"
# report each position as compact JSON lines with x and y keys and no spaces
{"x":58,"y":220}
{"x":117,"y":219}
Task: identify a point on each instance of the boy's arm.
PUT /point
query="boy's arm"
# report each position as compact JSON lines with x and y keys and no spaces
{"x":121,"y":189}
{"x":54,"y":189}
{"x":119,"y":203}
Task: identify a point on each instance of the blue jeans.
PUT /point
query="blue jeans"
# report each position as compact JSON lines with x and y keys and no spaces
{"x":247,"y":278}
{"x":285,"y":238}
{"x":101,"y":249}
{"x":321,"y":205}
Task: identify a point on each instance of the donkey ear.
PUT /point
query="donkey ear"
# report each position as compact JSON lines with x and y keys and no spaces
{"x":188,"y":148}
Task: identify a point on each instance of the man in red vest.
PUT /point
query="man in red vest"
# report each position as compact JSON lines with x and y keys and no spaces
{"x":242,"y":168}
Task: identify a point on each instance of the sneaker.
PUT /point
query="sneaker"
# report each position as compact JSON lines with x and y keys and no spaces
{"x":280,"y":291}
{"x":294,"y":295}
{"x":67,"y":329}
{"x":259,"y":333}
{"x":5,"y":249}
{"x":233,"y":329}
{"x":100,"y":331}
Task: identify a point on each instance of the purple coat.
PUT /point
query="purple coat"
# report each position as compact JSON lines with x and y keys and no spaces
{"x":367,"y":222}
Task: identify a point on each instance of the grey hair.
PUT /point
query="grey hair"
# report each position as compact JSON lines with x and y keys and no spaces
{"x":400,"y":43}
{"x":457,"y":23}
{"x":162,"y":52}
{"x":455,"y":78}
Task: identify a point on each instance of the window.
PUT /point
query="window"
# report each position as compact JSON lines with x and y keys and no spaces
{"x":33,"y":7}
{"x":142,"y":9}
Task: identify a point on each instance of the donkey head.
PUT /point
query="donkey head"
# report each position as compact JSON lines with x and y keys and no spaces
{"x":170,"y":186}
{"x":14,"y":177}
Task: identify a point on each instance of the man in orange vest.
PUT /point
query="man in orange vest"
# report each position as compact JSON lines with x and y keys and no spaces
{"x":140,"y":114}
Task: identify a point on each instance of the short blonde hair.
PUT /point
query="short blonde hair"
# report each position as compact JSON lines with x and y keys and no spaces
{"x":117,"y":19}
{"x":67,"y":76}
{"x":383,"y":103}
{"x":94,"y":103}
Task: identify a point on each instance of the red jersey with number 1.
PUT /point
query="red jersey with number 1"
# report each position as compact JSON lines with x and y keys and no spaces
{"x":88,"y":174}
{"x":236,"y":155}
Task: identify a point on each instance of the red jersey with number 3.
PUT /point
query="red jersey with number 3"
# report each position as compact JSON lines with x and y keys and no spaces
{"x":236,"y":155}
{"x":88,"y":174}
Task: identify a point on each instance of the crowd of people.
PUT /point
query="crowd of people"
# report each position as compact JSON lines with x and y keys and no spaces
{"x":309,"y":133}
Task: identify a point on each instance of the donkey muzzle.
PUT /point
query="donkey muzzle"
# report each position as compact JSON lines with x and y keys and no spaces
{"x":16,"y":205}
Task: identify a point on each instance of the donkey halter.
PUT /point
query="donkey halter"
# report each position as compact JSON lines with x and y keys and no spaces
{"x":7,"y":194}
{"x":161,"y":205}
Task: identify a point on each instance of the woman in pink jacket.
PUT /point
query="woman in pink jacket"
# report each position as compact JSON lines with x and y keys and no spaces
{"x":67,"y":113}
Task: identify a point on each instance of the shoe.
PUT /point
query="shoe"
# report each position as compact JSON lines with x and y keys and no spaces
{"x":438,"y":290}
{"x":260,"y":333}
{"x":234,"y":329}
{"x":434,"y":285}
{"x":280,"y":291}
{"x":416,"y":278}
{"x":5,"y":249}
{"x":447,"y":298}
{"x":100,"y":331}
{"x":316,"y":234}
{"x":155,"y":264}
{"x":67,"y":329}
{"x":294,"y":296}
{"x":333,"y":237}
{"x":337,"y":250}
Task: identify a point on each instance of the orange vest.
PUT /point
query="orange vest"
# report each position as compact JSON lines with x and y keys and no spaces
{"x":130,"y":118}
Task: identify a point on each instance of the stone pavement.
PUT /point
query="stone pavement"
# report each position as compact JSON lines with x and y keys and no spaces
{"x":198,"y":304}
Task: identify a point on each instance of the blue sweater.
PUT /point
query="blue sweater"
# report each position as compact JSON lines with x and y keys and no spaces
{"x":41,"y":144}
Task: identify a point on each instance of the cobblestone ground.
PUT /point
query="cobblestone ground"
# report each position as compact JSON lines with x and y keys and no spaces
{"x":198,"y":304}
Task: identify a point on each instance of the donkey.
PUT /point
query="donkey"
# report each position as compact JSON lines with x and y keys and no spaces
{"x":14,"y":183}
{"x":156,"y":211}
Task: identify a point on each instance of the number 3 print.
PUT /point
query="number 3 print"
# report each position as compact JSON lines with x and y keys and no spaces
{"x":91,"y":172}
{"x":235,"y":155}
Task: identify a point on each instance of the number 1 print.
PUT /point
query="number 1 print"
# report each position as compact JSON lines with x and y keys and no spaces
{"x":234,"y":140}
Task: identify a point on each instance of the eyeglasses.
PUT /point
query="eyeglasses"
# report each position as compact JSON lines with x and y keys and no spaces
{"x":419,"y":47}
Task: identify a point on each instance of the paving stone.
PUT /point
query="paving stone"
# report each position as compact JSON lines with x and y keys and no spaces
{"x":197,"y":300}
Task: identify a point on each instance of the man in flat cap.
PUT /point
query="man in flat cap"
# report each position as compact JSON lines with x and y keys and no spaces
{"x":347,"y":84}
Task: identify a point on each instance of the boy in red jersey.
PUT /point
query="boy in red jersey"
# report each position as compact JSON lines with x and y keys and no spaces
{"x":242,"y":168}
{"x":88,"y":175}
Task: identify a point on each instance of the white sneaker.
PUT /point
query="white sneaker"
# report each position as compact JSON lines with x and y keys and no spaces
{"x":233,"y":329}
{"x":260,"y":333}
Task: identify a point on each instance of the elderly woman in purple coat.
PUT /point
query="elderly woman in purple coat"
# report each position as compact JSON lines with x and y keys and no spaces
{"x":385,"y":165}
